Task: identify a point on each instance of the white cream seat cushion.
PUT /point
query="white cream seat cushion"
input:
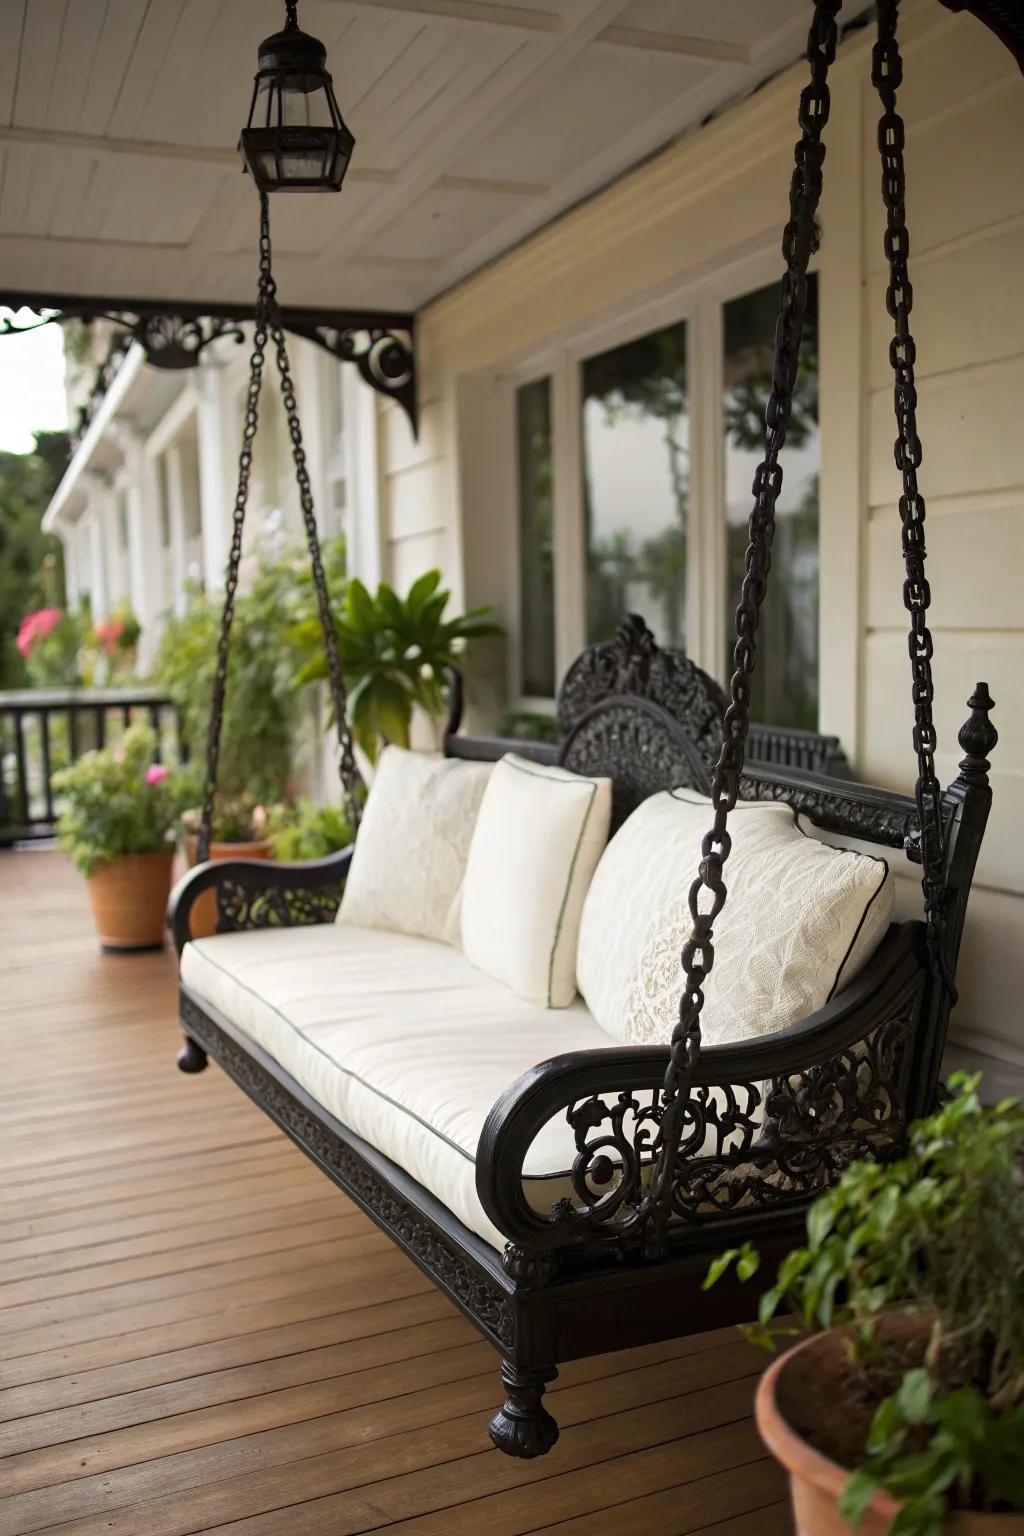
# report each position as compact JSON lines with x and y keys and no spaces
{"x":801,"y":919}
{"x":402,"y":1040}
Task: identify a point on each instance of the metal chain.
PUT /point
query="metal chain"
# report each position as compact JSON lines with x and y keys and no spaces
{"x":264,"y":302}
{"x":887,"y":76}
{"x":347,"y":770}
{"x":798,"y":243}
{"x":267,"y":321}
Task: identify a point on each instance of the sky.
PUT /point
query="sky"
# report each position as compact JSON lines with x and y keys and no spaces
{"x":31,"y":387}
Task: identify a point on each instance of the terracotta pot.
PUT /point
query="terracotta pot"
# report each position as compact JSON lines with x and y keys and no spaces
{"x":129,"y":897}
{"x":203,"y":917}
{"x":785,"y":1398}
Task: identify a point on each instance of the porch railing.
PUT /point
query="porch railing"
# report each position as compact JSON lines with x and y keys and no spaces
{"x":45,"y":729}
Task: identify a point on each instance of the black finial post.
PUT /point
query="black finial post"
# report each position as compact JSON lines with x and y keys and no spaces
{"x":977,"y":737}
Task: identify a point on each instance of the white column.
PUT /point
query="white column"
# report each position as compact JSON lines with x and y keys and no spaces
{"x":176,"y":516}
{"x":98,"y":582}
{"x":364,"y":503}
{"x":216,"y":492}
{"x":97,"y":492}
{"x":144,"y":547}
{"x":69,"y":545}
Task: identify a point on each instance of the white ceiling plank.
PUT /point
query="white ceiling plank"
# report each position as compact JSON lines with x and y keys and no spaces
{"x":465,"y":68}
{"x":141,"y":73}
{"x":40,"y":42}
{"x":675,"y":42}
{"x":70,"y":81}
{"x":524,"y":74}
{"x":477,"y":12}
{"x":121,"y":25}
{"x":12,"y":26}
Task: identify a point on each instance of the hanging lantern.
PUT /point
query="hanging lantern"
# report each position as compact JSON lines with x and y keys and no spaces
{"x":295,"y":139}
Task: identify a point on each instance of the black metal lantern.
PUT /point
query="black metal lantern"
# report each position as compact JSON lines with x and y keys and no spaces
{"x":295,"y":139}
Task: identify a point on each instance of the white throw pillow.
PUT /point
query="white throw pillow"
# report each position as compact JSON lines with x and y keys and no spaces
{"x":410,"y":855}
{"x":800,"y":920}
{"x":538,"y":837}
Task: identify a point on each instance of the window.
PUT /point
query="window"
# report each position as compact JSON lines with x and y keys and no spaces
{"x":785,"y":689}
{"x":636,"y":484}
{"x":536,"y":545}
{"x":635,"y":447}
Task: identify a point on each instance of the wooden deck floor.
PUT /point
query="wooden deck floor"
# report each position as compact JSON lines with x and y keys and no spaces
{"x":198,"y":1333}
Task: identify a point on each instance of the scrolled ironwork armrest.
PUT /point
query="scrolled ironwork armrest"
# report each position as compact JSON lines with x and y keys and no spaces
{"x":257,"y":893}
{"x":769,"y":1122}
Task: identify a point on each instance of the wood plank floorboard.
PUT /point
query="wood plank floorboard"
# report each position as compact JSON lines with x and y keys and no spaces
{"x":199,"y":1334}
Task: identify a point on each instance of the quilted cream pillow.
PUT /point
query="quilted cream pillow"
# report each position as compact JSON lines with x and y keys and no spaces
{"x":410,"y":855}
{"x":800,"y":920}
{"x":538,"y":837}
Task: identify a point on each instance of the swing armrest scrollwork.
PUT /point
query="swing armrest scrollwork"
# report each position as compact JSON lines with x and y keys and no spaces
{"x":256,"y":893}
{"x":769,"y":1122}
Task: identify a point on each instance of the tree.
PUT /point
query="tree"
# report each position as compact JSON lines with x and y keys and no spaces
{"x":31,"y":569}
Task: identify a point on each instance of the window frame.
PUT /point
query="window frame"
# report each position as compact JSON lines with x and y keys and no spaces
{"x":699,"y":303}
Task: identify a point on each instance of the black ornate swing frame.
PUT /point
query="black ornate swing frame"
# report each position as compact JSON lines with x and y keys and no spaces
{"x":784,"y":1115}
{"x":678,"y":1148}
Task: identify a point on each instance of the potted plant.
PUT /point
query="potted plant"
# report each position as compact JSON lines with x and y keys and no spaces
{"x":119,"y":809}
{"x":259,"y":714}
{"x":905,"y":1415}
{"x":394,"y":652}
{"x":308,"y":831}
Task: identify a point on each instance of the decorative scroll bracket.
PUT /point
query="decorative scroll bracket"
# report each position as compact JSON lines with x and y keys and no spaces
{"x":174,"y":334}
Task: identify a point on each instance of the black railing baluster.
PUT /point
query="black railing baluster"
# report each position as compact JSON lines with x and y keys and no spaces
{"x":24,"y":809}
{"x":101,"y":726}
{"x":72,"y":716}
{"x":44,"y":742}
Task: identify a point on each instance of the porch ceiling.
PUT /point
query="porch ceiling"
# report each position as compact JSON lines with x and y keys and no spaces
{"x":476,"y":122}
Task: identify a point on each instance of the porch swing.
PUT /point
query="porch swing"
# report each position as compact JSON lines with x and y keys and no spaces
{"x":675,"y":1149}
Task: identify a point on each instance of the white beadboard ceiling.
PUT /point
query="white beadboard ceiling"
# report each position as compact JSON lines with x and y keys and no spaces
{"x":476,"y":122}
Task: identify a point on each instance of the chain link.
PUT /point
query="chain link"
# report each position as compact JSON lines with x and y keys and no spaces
{"x":267,"y":322}
{"x":886,"y":76}
{"x":798,"y":243}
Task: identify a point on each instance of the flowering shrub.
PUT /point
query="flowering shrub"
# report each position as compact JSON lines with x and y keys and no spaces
{"x":118,"y":801}
{"x":35,"y":627}
{"x":49,"y":641}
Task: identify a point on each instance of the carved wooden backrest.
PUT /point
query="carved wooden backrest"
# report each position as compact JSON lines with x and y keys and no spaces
{"x":648,"y":719}
{"x":652,"y":719}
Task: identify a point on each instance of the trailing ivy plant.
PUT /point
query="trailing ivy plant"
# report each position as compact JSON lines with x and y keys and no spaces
{"x":394,"y":652}
{"x":939,"y":1232}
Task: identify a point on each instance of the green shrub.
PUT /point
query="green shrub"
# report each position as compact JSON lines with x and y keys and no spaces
{"x":309,"y":831}
{"x":117,"y":801}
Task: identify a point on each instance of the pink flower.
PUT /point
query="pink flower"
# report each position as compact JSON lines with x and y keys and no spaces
{"x":156,"y":773}
{"x":36,"y":626}
{"x":109,"y":635}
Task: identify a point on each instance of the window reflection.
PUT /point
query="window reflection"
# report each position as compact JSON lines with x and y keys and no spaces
{"x":636,"y":482}
{"x":785,"y":690}
{"x":536,"y":546}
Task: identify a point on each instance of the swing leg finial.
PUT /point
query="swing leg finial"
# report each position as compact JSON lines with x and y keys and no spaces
{"x":191,"y":1058}
{"x":522,"y":1426}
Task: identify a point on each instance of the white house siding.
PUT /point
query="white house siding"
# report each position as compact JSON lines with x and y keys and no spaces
{"x":719,"y":195}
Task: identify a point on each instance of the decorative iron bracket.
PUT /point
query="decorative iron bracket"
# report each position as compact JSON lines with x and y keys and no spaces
{"x":174,"y":334}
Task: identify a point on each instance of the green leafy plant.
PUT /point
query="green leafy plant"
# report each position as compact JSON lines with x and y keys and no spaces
{"x":308,"y":831}
{"x":393,"y":653}
{"x":116,"y":801}
{"x":260,"y":710}
{"x":939,"y":1233}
